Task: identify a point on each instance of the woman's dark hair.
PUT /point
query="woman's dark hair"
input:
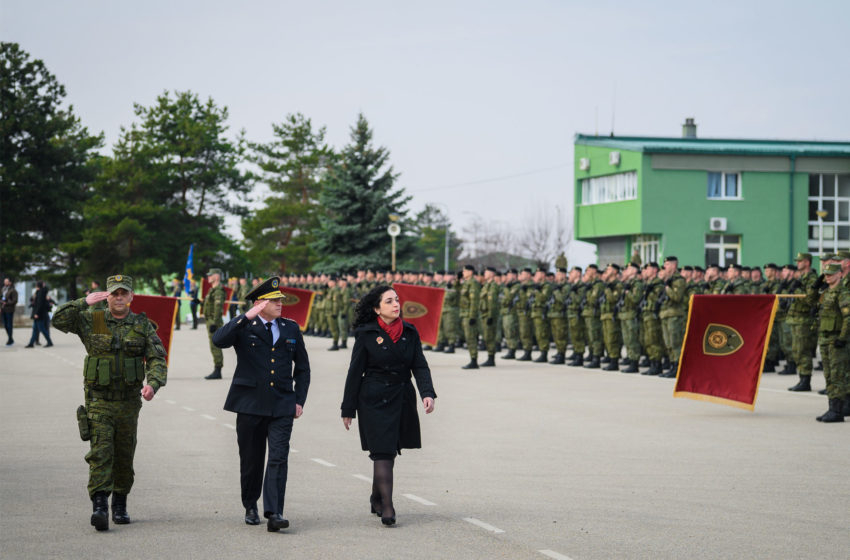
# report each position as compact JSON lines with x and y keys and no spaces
{"x":365,"y":310}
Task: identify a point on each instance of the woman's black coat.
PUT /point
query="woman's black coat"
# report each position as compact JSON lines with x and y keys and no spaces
{"x":379,"y":387}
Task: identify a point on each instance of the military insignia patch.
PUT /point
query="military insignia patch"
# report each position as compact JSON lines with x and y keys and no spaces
{"x":414,"y":309}
{"x":275,"y":283}
{"x":118,"y":278}
{"x":380,"y":340}
{"x":291,"y":299}
{"x":721,"y":340}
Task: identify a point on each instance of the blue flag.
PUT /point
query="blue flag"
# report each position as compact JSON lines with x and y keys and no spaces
{"x":190,"y":271}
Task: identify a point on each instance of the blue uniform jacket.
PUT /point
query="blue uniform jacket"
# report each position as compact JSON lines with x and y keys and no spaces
{"x":269,"y":378}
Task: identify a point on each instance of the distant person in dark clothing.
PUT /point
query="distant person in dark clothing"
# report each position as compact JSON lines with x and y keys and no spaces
{"x":10,"y":301}
{"x":40,"y":317}
{"x":193,"y":304}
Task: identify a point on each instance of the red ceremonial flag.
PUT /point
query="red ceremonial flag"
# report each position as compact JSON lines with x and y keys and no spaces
{"x":228,"y":293}
{"x":724,"y":348}
{"x":162,"y":311}
{"x":421,"y":306}
{"x":297,"y":305}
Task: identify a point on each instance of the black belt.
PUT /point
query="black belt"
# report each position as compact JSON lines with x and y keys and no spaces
{"x":109,"y":395}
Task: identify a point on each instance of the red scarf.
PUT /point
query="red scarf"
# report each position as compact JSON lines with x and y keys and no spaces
{"x":393,"y":329}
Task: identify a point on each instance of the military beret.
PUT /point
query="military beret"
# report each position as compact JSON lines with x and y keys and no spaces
{"x":577,"y":268}
{"x":771,"y":266}
{"x":491,"y":269}
{"x":832,"y":268}
{"x":527,"y":269}
{"x":469,"y":267}
{"x":513,"y":271}
{"x":671,"y":258}
{"x":652,"y":264}
{"x":593,"y":266}
{"x":803,"y":257}
{"x":441,"y":271}
{"x":562,"y":269}
{"x":270,"y":289}
{"x":746,"y":268}
{"x":550,"y":274}
{"x":119,"y":281}
{"x":615,"y":266}
{"x":687,"y":267}
{"x":633,"y":264}
{"x":790,"y":266}
{"x":215,"y":271}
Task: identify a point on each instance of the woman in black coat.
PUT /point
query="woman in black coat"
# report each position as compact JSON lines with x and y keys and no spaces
{"x":386,"y":351}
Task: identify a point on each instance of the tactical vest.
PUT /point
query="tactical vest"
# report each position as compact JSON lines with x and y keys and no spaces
{"x":115,"y":365}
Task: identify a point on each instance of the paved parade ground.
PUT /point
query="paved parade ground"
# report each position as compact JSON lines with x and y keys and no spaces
{"x":519,"y":461}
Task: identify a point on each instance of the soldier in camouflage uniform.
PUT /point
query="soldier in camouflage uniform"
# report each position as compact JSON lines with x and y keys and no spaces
{"x":673,"y":313}
{"x":508,"y":311}
{"x":469,"y":302}
{"x":489,"y":312}
{"x":787,"y":284}
{"x":122,"y":351}
{"x":332,"y":311}
{"x":244,"y":288}
{"x":344,"y":295}
{"x":574,"y":300}
{"x":213,"y":310}
{"x":448,"y":318}
{"x":735,"y":283}
{"x":833,"y":335}
{"x":590,"y":313}
{"x":538,"y":299}
{"x":803,"y":321}
{"x":526,"y":325}
{"x":629,"y":316}
{"x":650,"y":307}
{"x":608,"y":309}
{"x":770,"y":285}
{"x":558,"y":316}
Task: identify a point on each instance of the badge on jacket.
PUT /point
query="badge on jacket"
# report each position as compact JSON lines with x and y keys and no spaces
{"x":380,"y":340}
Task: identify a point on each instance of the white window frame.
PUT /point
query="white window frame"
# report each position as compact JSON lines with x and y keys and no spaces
{"x":609,"y":188}
{"x":723,"y":195}
{"x":831,"y":242}
{"x":723,"y":245}
{"x":647,"y":246}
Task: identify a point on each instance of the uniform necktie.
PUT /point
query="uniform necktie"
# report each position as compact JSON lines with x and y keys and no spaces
{"x":274,"y":332}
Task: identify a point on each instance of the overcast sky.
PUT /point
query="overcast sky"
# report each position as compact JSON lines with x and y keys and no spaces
{"x":478,"y":101}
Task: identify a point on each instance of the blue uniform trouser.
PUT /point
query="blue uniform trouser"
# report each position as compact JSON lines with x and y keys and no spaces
{"x":252,"y":434}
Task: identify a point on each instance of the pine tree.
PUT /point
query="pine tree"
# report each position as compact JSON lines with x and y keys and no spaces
{"x":358,"y":201}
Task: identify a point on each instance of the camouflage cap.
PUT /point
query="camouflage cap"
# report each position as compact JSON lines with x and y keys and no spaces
{"x":832,"y":268}
{"x":119,"y":281}
{"x":829,"y":257}
{"x":843,"y":255}
{"x":215,"y":271}
{"x":803,"y":257}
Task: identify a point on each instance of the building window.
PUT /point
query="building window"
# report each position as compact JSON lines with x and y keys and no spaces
{"x":610,"y":188}
{"x":724,"y":186}
{"x":722,"y":250}
{"x":646,"y":246}
{"x":830,"y":193}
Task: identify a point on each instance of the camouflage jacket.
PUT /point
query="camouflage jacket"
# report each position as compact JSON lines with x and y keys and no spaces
{"x":834,"y":314}
{"x":802,"y":309}
{"x":214,"y":306}
{"x":632,"y":295}
{"x":538,"y":298}
{"x":676,"y":303}
{"x":489,"y":300}
{"x":612,"y":292}
{"x":470,"y":298}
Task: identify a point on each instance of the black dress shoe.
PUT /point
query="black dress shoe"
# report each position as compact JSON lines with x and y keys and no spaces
{"x":251,"y":516}
{"x":375,"y":505}
{"x":277,"y":522}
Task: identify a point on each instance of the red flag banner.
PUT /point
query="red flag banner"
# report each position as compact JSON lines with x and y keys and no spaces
{"x":228,"y":293}
{"x":421,"y":306}
{"x":162,"y":311}
{"x":297,"y":305}
{"x":724,"y":348}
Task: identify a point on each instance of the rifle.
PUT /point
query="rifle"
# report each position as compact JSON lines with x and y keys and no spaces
{"x":662,"y":299}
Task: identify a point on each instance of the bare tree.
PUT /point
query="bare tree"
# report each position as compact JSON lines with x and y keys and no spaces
{"x":544,"y":235}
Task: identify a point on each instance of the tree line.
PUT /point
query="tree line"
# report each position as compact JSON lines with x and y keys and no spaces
{"x":70,"y":211}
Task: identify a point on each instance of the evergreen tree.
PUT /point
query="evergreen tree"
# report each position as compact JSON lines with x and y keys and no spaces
{"x":357,"y":202}
{"x":279,"y":236}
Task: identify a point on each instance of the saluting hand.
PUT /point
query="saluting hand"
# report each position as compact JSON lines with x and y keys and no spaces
{"x":259,"y":305}
{"x":428,"y":403}
{"x":95,"y":297}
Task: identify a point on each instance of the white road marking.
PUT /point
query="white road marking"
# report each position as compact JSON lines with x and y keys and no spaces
{"x":231,"y":426}
{"x":189,"y":409}
{"x":207,"y":416}
{"x":293,"y":450}
{"x":323,"y":462}
{"x":553,"y":554}
{"x":485,"y":526}
{"x":169,"y":401}
{"x":415,"y":498}
{"x":363,"y":478}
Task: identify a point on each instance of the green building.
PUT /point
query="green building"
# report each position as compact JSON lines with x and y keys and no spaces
{"x":710,"y":200}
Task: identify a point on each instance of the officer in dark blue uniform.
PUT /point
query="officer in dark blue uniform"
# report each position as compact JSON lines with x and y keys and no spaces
{"x":267,"y":394}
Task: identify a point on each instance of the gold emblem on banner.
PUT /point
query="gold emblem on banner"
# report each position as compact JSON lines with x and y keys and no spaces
{"x":721,"y":340}
{"x":290,"y":298}
{"x":414,"y":309}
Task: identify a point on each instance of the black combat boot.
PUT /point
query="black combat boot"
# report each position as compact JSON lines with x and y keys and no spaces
{"x":344,"y":344}
{"x":216,"y":374}
{"x":605,"y":359}
{"x":769,"y":367}
{"x":119,"y":509}
{"x":613,"y":365}
{"x":670,"y":373}
{"x":558,"y":359}
{"x":805,"y":384}
{"x":654,"y":368}
{"x":822,"y":391}
{"x":450,"y":349}
{"x":578,"y":359}
{"x":491,"y":361}
{"x":510,"y":355}
{"x":845,"y":410}
{"x":333,"y":347}
{"x":526,"y":357}
{"x":834,"y":413}
{"x":665,"y":363}
{"x":790,"y":368}
{"x":440,"y":347}
{"x":542,"y":358}
{"x":632,"y":367}
{"x":473,"y":364}
{"x":100,"y":511}
{"x":593,"y":362}
{"x":644,"y":362}
{"x":818,"y":367}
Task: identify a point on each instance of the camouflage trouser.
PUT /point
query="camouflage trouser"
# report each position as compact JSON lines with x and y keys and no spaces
{"x":653,"y":339}
{"x":631,"y":337}
{"x":613,"y":337}
{"x":471,"y":334}
{"x":593,"y":330}
{"x":577,"y":337}
{"x":112,"y":445}
{"x":673,"y":331}
{"x":526,"y":331}
{"x":448,"y":326}
{"x":773,"y":348}
{"x":342,"y":326}
{"x":488,"y":333}
{"x":803,"y":341}
{"x":559,"y":333}
{"x":836,"y":368}
{"x":333,"y":327}
{"x":785,"y":343}
{"x":541,"y":333}
{"x":511,"y":330}
{"x":218,"y":357}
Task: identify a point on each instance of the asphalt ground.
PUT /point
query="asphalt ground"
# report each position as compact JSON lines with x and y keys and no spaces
{"x":519,"y":461}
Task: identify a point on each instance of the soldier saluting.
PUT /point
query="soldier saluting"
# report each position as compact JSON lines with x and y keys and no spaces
{"x":122,"y":350}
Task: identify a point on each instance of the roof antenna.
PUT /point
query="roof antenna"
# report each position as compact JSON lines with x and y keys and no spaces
{"x":613,"y":108}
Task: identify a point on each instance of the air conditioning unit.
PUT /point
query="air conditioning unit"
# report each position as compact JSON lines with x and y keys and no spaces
{"x":584,"y":164}
{"x":614,"y":158}
{"x":717,"y":224}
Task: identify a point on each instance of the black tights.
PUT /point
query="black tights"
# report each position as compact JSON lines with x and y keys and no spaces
{"x":382,"y":486}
